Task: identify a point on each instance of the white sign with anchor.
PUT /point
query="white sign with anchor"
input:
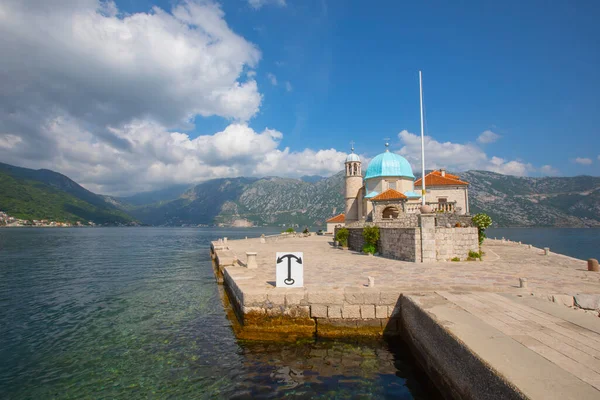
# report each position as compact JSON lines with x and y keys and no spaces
{"x":289,"y":270}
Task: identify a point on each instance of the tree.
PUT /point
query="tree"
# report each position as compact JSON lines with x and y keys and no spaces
{"x":482,"y":221}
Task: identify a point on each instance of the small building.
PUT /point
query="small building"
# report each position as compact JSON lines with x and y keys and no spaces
{"x":335,"y":222}
{"x":445,"y":192}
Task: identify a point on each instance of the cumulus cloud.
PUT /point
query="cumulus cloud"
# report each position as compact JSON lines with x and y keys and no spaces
{"x":457,"y":156}
{"x":548,"y":170}
{"x":80,"y":58}
{"x":155,"y":157}
{"x":256,"y":4}
{"x":106,"y":98}
{"x":488,"y":137}
{"x":272,"y":78}
{"x":583,"y":161}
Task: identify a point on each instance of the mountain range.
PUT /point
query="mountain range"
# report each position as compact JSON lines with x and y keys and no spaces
{"x":509,"y":200}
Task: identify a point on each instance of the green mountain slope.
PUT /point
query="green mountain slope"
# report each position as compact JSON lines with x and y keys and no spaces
{"x":43,"y":194}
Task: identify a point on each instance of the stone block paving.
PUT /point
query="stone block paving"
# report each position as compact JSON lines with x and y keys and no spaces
{"x":332,"y":268}
{"x":571,"y":347}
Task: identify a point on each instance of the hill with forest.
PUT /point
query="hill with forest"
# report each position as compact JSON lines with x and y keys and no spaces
{"x":43,"y":194}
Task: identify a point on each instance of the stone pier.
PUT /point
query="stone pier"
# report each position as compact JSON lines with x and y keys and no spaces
{"x":518,"y":324}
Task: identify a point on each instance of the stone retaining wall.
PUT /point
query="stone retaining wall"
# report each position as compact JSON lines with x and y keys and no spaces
{"x":455,"y":242}
{"x":409,"y":244}
{"x":400,"y":243}
{"x":356,"y":241}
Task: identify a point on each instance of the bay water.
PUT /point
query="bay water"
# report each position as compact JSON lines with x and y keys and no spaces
{"x":582,"y":243}
{"x":136,"y":313}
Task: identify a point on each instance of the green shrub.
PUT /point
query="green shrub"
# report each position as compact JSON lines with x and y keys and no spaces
{"x":289,"y":230}
{"x":369,"y":249}
{"x":306,"y":230}
{"x":482,"y":222}
{"x":371,"y":235}
{"x":342,"y":236}
{"x":455,"y":259}
{"x":474,"y":254}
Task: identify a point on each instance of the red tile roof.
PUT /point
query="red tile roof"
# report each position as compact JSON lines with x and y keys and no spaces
{"x":337,"y":219}
{"x":390,"y":194}
{"x":435,"y":178}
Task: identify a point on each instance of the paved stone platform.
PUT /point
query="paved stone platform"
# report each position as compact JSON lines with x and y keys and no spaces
{"x":504,"y":263}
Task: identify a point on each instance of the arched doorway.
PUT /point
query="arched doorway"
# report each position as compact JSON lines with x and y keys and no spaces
{"x":390,"y":212}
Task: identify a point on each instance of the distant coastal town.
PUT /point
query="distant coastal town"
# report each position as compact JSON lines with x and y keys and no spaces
{"x":8,"y":221}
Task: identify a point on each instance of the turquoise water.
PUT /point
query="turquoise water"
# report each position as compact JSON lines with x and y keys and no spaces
{"x":582,"y":243}
{"x":136,"y":313}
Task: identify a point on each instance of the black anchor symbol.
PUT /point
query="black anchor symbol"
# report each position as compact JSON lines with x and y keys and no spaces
{"x":289,"y":280}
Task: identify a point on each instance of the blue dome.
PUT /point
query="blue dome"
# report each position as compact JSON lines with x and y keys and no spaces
{"x":389,"y":164}
{"x":352,"y":158}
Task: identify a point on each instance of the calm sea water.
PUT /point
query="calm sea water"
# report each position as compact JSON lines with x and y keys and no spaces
{"x":580,"y":243}
{"x":136,"y":313}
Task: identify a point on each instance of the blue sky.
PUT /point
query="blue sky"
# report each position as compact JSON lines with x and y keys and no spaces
{"x":525,"y":70}
{"x":348,"y":70}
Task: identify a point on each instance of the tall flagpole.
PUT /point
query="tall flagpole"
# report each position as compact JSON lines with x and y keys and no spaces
{"x":422,"y":144}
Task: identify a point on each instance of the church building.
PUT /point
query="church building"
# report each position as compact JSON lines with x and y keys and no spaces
{"x":389,"y":190}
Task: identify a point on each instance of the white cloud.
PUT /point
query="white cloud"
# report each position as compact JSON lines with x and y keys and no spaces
{"x":583,"y":161}
{"x":256,"y":4}
{"x":272,"y":78}
{"x":548,"y":170}
{"x":288,"y":86}
{"x":81,"y":59}
{"x":155,"y":157}
{"x":457,"y":157}
{"x":9,"y":141}
{"x":251,"y":74}
{"x":488,"y":137}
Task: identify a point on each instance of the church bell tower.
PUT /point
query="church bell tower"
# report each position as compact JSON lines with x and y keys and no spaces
{"x":354,"y":182}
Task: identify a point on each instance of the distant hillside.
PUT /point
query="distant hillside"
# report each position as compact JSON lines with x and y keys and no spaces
{"x":44,"y":194}
{"x":509,"y":200}
{"x":522,"y":201}
{"x":269,"y":201}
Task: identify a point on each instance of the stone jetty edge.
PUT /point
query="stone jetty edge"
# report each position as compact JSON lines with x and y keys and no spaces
{"x":290,"y":314}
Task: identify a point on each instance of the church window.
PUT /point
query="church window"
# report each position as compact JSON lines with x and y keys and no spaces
{"x":442,"y":199}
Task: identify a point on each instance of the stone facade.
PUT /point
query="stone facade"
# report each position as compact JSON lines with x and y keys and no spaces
{"x":443,"y":219}
{"x":404,"y":220}
{"x":420,"y":238}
